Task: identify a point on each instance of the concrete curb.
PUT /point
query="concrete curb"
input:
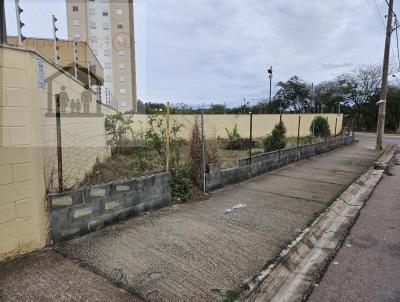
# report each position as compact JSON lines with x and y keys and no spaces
{"x":293,"y":274}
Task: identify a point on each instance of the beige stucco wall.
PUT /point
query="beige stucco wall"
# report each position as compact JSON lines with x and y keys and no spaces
{"x":27,"y":146}
{"x":215,"y":125}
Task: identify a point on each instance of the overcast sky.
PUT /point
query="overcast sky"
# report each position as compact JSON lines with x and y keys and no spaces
{"x":219,"y":50}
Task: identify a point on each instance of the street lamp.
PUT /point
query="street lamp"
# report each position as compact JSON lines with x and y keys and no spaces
{"x":270,"y":82}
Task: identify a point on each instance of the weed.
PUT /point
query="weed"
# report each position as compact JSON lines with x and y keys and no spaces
{"x":231,"y":295}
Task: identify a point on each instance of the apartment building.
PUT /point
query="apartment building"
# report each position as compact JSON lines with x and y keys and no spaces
{"x":108,"y":27}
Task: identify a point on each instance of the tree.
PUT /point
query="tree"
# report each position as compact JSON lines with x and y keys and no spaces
{"x":217,"y":109}
{"x":358,"y":87}
{"x":327,"y":96}
{"x":294,"y":94}
{"x":277,"y":139}
{"x":320,"y":127}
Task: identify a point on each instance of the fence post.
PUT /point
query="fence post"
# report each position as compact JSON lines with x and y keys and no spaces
{"x":335,"y":128}
{"x":59,"y":147}
{"x":312,"y":135}
{"x":298,"y":131}
{"x":327,"y":120}
{"x":251,"y":134}
{"x":168,"y":140}
{"x":203,"y":151}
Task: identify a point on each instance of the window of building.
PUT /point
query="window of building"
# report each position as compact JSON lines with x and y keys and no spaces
{"x":105,"y":13}
{"x":120,"y":39}
{"x":93,"y":39}
{"x":76,"y":22}
{"x":122,"y":103}
{"x":107,"y":52}
{"x":108,"y":78}
{"x":107,"y":65}
{"x":106,"y":26}
{"x":77,"y":36}
{"x":121,"y":52}
{"x":91,"y":0}
{"x":121,"y":65}
{"x":122,"y":91}
{"x":92,"y":11}
{"x":92,"y":25}
{"x":120,"y":26}
{"x":122,"y":78}
{"x":75,"y":8}
{"x":118,"y":11}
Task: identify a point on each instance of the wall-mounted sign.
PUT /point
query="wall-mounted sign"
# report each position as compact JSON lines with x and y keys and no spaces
{"x":41,"y":75}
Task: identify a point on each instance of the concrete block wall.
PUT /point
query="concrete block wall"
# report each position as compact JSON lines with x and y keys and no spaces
{"x":22,"y":209}
{"x":78,"y":212}
{"x":246,"y":168}
{"x":28,"y":165}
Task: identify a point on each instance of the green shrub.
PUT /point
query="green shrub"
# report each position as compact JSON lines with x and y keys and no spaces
{"x":277,"y":139}
{"x":320,"y":127}
{"x":145,"y":160}
{"x":117,"y":126}
{"x":181,"y":186}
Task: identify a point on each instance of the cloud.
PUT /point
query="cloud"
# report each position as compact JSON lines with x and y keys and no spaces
{"x":210,"y":49}
{"x":206,"y":50}
{"x":336,"y":65}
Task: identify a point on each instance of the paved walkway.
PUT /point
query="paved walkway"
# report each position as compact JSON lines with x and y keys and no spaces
{"x":47,"y":276}
{"x":193,"y":252}
{"x":367,"y":267}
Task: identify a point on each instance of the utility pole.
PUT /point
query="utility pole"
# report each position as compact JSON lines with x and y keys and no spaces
{"x":382,"y":102}
{"x":3,"y":31}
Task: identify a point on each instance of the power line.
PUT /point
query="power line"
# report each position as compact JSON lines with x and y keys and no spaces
{"x":376,"y":13}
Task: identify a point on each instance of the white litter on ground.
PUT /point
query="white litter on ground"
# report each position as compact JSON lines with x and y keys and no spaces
{"x":236,"y":207}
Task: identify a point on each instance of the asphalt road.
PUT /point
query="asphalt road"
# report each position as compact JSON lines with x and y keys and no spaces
{"x":370,"y":138}
{"x":367,"y":267}
{"x":195,"y":252}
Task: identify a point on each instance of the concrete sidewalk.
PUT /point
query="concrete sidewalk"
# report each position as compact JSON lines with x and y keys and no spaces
{"x":194,"y":252}
{"x":48,"y":276}
{"x":367,"y":267}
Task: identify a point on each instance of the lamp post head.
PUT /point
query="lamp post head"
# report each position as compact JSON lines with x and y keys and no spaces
{"x":270,"y":72}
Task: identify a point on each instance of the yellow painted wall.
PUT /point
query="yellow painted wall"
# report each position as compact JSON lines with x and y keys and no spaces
{"x":215,"y":125}
{"x":28,"y":146}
